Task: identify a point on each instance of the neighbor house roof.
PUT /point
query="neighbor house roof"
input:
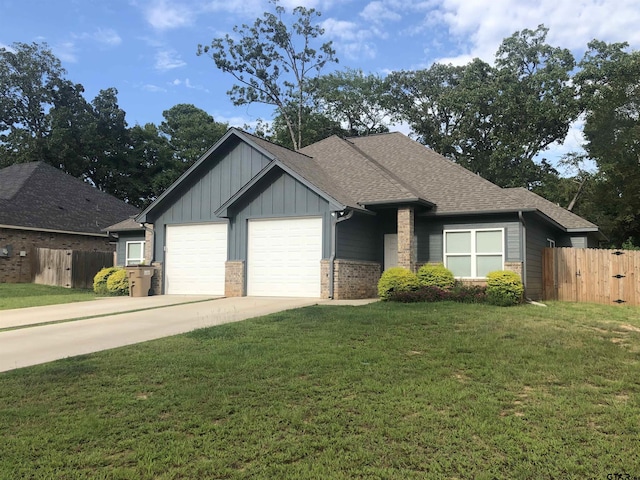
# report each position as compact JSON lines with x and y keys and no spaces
{"x":41,"y":197}
{"x":128,"y":225}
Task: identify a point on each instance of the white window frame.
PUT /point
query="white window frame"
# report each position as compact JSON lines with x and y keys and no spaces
{"x":551,"y":243}
{"x":474,"y":255}
{"x":127,"y":259}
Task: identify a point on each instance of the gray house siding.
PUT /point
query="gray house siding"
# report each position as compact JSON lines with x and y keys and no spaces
{"x":578,"y":242}
{"x":218,"y":179}
{"x":429,"y":231}
{"x":121,"y":245}
{"x":537,"y":235}
{"x":280,"y":196}
{"x":360,"y":238}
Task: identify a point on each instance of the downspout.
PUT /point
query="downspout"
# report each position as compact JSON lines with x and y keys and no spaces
{"x":523,"y":250}
{"x":335,"y":219}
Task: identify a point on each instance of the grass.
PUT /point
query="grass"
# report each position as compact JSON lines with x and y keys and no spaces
{"x":21,"y":295}
{"x":389,"y":391}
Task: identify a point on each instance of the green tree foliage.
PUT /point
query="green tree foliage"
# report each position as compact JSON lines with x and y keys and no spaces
{"x":191,"y":132}
{"x":273,"y":61}
{"x":354,"y":99}
{"x":316,"y":126}
{"x":494,"y":120}
{"x":610,"y":91}
{"x":30,"y":76}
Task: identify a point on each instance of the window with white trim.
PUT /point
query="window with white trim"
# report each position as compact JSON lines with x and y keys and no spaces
{"x":474,"y":253}
{"x":551,"y":243}
{"x":134,"y":253}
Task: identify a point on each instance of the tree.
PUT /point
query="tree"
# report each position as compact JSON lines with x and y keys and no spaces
{"x":190,"y":132}
{"x":354,"y":99}
{"x":71,"y":120}
{"x":610,"y":91}
{"x":29,"y":77}
{"x":272,"y":63}
{"x":493,"y":120}
{"x":316,"y":126}
{"x":152,"y":166}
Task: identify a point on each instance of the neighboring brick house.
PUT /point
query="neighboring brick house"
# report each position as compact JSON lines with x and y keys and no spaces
{"x":253,"y":218}
{"x":41,"y":206}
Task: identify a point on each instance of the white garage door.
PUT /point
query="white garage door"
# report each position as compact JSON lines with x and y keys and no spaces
{"x":194,"y":259}
{"x":283,"y":258}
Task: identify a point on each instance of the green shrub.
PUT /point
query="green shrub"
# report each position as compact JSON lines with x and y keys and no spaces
{"x":504,"y":288}
{"x":118,"y":283}
{"x":396,"y":279}
{"x":100,"y":280}
{"x":436,"y":275}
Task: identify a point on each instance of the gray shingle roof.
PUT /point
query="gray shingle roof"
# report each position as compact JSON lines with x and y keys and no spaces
{"x":561,"y":215}
{"x":452,"y":188}
{"x":128,"y":225}
{"x":352,"y":171}
{"x":310,"y":169}
{"x":37,"y":195}
{"x":391,"y":167}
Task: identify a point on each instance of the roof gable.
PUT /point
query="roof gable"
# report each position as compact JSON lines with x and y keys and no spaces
{"x":38,"y":196}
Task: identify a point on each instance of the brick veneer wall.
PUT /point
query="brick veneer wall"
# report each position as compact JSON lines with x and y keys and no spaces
{"x":156,"y":280}
{"x":325,"y":269}
{"x":17,"y":269}
{"x":355,"y":279}
{"x":149,"y":238}
{"x":234,"y":284}
{"x":514,"y":267}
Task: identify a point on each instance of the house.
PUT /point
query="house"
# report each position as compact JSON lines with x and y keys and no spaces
{"x":41,"y":206}
{"x":254,"y":218}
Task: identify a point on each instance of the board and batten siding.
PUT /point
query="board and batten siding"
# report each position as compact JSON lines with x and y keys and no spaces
{"x":430,"y":233}
{"x":121,"y":246}
{"x":359,"y":238}
{"x":216,"y":181}
{"x":281,"y":196}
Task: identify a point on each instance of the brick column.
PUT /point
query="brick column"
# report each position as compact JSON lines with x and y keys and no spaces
{"x":407,"y":254}
{"x":325,"y":271}
{"x":234,"y":279}
{"x":148,"y":243}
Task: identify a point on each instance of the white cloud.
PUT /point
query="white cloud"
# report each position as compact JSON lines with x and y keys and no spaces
{"x":153,"y":88}
{"x":164,"y":15}
{"x":168,"y":60}
{"x":379,"y":12}
{"x":349,"y":38}
{"x":481,"y":25}
{"x":187,"y":84}
{"x":107,"y":36}
{"x":66,"y":51}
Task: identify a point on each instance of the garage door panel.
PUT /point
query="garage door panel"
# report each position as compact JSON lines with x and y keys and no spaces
{"x":195,"y":259}
{"x":284,"y":257}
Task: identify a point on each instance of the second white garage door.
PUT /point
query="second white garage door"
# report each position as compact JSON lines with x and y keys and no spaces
{"x":283,"y":258}
{"x":194,"y":259}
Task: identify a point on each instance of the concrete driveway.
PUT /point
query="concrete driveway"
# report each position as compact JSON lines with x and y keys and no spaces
{"x":118,"y":323}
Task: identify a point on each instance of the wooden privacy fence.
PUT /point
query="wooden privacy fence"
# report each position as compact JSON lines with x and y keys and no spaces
{"x":68,"y":268}
{"x":591,"y":275}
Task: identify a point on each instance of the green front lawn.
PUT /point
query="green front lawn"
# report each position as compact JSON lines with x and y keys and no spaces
{"x":20,"y":295}
{"x":417,"y":391}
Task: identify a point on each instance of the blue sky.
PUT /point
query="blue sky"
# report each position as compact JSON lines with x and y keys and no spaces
{"x":147,"y":48}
